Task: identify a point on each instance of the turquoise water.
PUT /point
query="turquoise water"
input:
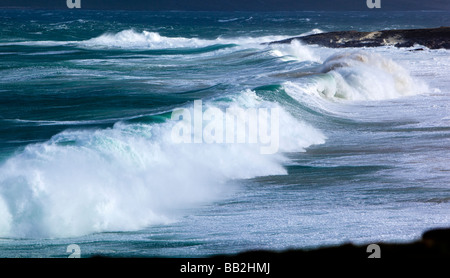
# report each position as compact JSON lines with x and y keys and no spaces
{"x":88,"y":157}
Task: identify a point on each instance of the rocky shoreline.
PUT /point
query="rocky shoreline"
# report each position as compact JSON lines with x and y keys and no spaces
{"x":432,"y":38}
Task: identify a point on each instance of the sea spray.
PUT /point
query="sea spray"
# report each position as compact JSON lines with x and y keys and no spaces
{"x":359,"y":75}
{"x":130,"y":176}
{"x":234,"y":126}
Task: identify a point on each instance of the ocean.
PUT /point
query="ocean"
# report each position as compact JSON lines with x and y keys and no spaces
{"x":115,"y":133}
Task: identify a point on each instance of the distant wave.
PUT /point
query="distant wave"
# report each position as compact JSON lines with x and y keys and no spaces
{"x":350,"y":74}
{"x":132,"y":39}
{"x":144,"y":39}
{"x":358,"y":75}
{"x":228,"y":20}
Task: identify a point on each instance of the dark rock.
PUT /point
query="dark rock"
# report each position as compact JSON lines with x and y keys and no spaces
{"x":435,"y":245}
{"x":431,"y":254}
{"x":433,"y":38}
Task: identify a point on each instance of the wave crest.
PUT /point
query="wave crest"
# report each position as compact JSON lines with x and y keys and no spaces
{"x":130,"y":176}
{"x":362,"y":75}
{"x":359,"y":75}
{"x":131,"y":39}
{"x":144,"y":39}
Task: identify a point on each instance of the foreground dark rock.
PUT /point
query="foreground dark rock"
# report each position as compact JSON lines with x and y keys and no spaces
{"x":430,"y":254}
{"x":433,"y":38}
{"x":434,"y":245}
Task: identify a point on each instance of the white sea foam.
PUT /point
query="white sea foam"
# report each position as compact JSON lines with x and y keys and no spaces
{"x":129,"y":176}
{"x":228,"y":20}
{"x":132,"y":39}
{"x":144,"y":39}
{"x":361,"y":75}
{"x":294,"y":51}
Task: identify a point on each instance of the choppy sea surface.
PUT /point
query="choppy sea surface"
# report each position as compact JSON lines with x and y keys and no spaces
{"x":88,"y":154}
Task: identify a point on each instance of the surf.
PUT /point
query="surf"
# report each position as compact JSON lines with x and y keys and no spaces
{"x":132,"y":175}
{"x":348,"y":75}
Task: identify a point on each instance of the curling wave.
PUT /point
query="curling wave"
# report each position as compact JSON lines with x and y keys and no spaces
{"x":130,"y":176}
{"x":360,"y":75}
